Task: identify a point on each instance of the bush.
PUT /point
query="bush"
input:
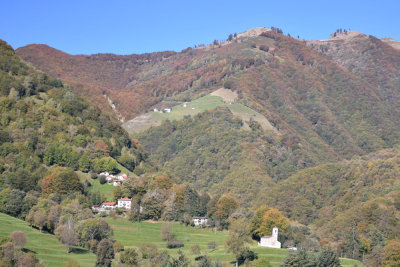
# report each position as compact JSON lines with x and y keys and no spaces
{"x":148,"y":250}
{"x":130,"y":257}
{"x":102,"y":179}
{"x":175,"y":244}
{"x":195,"y":249}
{"x":94,"y":175}
{"x":248,"y":255}
{"x":118,"y":246}
{"x":253,"y":46}
{"x":92,"y":245}
{"x":228,"y":84}
{"x":264,"y":48}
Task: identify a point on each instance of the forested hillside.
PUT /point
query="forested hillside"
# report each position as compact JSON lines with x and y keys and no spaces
{"x":353,"y":204}
{"x":334,"y":112}
{"x":330,"y":164}
{"x":47,"y":133}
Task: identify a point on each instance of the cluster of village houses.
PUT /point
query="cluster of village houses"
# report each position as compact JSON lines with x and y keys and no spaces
{"x":114,"y":180}
{"x":126,"y":203}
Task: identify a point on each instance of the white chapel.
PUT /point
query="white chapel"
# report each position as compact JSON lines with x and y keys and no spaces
{"x":270,"y":241}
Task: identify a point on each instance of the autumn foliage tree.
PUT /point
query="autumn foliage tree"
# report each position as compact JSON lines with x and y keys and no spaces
{"x":257,"y":220}
{"x":163,"y":182}
{"x":272,"y":218}
{"x":62,"y":181}
{"x":226,"y":205}
{"x":391,"y":254}
{"x":18,"y":238}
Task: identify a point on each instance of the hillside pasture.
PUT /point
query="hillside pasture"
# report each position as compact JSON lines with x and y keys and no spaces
{"x":218,"y":98}
{"x":133,"y":234}
{"x":45,"y":246}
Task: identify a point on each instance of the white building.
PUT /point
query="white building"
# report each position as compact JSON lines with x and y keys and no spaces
{"x":125,"y":203}
{"x":167,"y":110}
{"x":117,"y":183}
{"x":108,"y":205}
{"x":270,"y":241}
{"x":122,"y":177}
{"x":200,"y":221}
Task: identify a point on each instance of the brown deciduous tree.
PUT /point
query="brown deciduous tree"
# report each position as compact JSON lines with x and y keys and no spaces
{"x":18,"y":238}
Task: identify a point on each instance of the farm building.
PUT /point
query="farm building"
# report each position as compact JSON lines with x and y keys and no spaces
{"x":108,"y":205}
{"x":199,"y":221}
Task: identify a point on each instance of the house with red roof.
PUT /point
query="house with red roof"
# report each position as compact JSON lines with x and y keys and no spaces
{"x":108,"y":205}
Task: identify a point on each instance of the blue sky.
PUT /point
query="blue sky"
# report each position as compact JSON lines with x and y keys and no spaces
{"x":126,"y":27}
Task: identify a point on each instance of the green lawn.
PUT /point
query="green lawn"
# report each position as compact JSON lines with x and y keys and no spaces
{"x":46,"y":246}
{"x":134,"y":234}
{"x":49,"y":250}
{"x":194,"y":107}
{"x":105,"y":189}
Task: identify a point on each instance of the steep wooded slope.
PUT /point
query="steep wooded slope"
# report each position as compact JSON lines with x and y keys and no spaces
{"x":93,"y":75}
{"x":313,"y":101}
{"x":351,"y":203}
{"x":44,"y":124}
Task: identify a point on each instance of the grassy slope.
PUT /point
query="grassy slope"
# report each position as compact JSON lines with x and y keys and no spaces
{"x":46,"y":246}
{"x":105,"y":189}
{"x":192,"y":108}
{"x":134,"y":234}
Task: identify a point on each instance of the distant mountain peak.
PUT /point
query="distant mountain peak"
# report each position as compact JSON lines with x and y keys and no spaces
{"x":343,"y":35}
{"x":254,"y":32}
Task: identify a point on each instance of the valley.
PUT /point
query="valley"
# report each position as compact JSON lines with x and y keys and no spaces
{"x":256,"y":131}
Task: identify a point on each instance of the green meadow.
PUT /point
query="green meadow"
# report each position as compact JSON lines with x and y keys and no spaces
{"x":50,"y":251}
{"x":194,"y":107}
{"x":137,"y":233}
{"x":45,"y":246}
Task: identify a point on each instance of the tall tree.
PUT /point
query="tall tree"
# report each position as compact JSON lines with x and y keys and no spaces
{"x":327,"y":257}
{"x":239,"y":237}
{"x":273,"y":218}
{"x":257,"y":220}
{"x":67,"y":234}
{"x":104,"y":253}
{"x":226,"y":205}
{"x":191,"y":201}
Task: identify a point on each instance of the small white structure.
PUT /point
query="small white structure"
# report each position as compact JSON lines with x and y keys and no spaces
{"x":167,"y":110}
{"x":105,"y":174}
{"x":291,"y":248}
{"x":108,"y":205}
{"x":122,"y":177}
{"x":270,"y":241}
{"x":125,"y":203}
{"x":157,"y":110}
{"x":185,"y":105}
{"x":200,"y":221}
{"x":117,"y":183}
